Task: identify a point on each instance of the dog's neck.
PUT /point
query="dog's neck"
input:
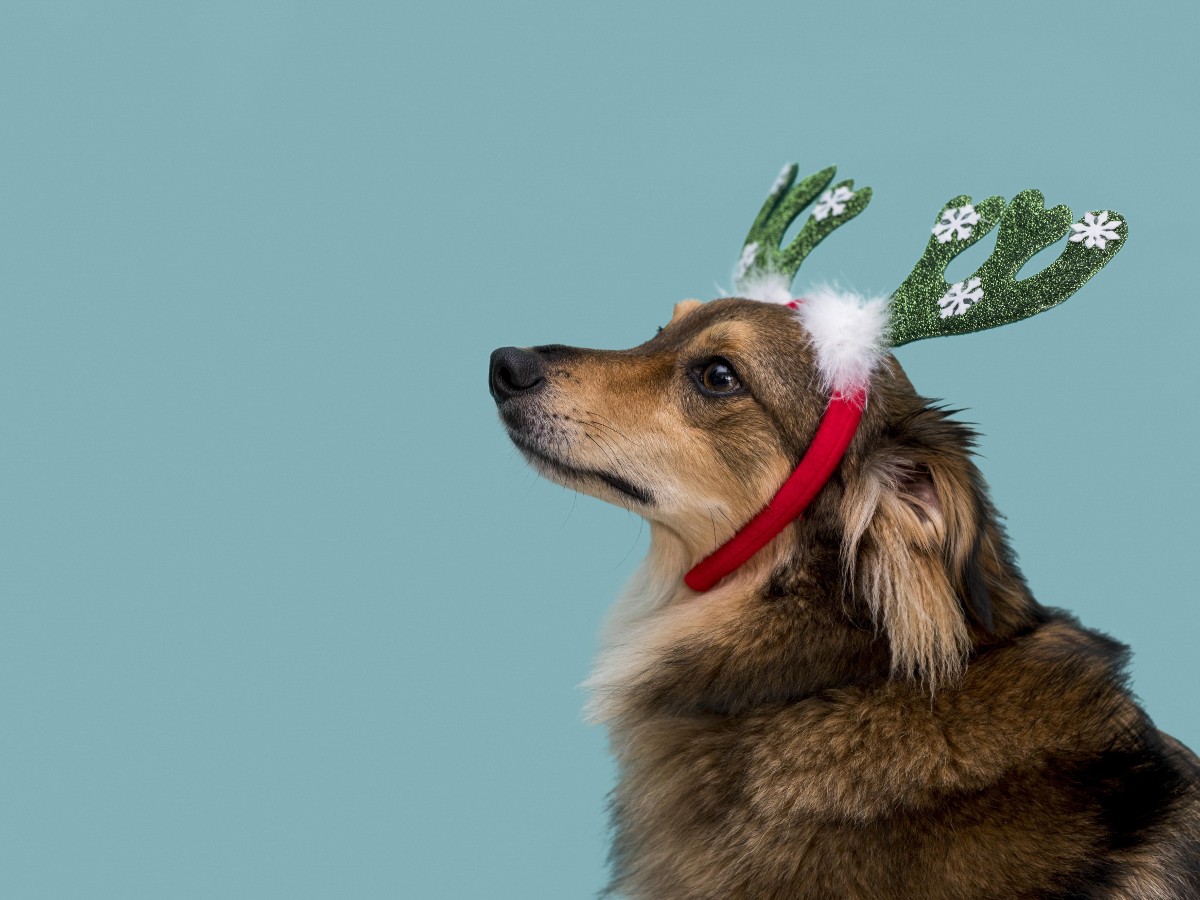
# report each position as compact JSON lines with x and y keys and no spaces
{"x":667,"y":649}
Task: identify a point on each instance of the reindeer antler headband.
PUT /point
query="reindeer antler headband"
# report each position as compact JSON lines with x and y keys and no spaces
{"x":851,"y":335}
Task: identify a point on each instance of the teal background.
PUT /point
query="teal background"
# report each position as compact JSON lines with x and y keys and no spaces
{"x":283,"y":614}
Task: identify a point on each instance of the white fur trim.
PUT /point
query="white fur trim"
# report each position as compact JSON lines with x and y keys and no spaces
{"x":849,"y":334}
{"x":769,"y":287}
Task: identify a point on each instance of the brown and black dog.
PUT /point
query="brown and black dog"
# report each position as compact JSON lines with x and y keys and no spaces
{"x":875,"y":706}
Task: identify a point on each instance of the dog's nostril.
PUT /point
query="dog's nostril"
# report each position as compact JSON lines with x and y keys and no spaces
{"x":514,"y":371}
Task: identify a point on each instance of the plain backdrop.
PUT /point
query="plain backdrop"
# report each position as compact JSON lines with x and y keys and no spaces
{"x":282,"y":614}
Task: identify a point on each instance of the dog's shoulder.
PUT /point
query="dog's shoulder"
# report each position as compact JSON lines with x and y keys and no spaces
{"x":1061,"y":694}
{"x":1102,"y":762}
{"x":1067,"y":683}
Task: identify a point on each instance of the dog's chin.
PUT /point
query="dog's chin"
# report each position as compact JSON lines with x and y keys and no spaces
{"x":596,"y":482}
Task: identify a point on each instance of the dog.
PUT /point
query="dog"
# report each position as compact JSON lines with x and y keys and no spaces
{"x":875,"y":705}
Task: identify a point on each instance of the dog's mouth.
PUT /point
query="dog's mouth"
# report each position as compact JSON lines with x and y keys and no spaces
{"x":553,"y":463}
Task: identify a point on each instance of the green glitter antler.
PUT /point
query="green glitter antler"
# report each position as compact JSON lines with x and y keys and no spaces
{"x":762,"y":253}
{"x":925,"y":305}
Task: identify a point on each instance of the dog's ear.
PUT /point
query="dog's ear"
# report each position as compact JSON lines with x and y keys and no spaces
{"x":684,"y":308}
{"x":913,"y":518}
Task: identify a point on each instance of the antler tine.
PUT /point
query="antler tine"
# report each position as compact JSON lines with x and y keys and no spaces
{"x":925,"y":305}
{"x":915,"y":304}
{"x":1033,"y":227}
{"x":762,"y":253}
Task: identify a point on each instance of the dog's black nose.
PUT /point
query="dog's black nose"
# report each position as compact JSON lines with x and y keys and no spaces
{"x":514,"y":371}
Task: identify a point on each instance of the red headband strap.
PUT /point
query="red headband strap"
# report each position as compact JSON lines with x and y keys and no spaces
{"x":824,"y":453}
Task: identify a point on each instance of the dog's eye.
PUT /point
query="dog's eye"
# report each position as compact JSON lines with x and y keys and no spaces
{"x":718,"y":377}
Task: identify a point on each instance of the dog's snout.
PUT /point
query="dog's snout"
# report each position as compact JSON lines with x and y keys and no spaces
{"x":515,"y":371}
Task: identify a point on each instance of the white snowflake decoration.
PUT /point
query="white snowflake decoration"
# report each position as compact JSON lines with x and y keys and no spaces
{"x":749,"y":252}
{"x":956,"y":223}
{"x":1096,"y":230}
{"x":961,"y":297}
{"x":832,"y":202}
{"x":781,"y":180}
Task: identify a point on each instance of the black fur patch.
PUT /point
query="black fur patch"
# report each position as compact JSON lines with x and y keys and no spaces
{"x":1131,"y":791}
{"x":977,"y":600}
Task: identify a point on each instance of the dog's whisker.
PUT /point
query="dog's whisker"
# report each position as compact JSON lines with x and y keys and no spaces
{"x":607,"y":452}
{"x":638,"y":537}
{"x":603,"y":419}
{"x":601,"y":423}
{"x":574,"y":500}
{"x":595,"y":424}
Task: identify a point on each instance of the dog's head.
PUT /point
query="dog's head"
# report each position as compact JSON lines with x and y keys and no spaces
{"x":697,"y":428}
{"x":693,"y":429}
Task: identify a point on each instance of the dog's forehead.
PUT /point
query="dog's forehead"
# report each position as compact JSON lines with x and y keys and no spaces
{"x":733,"y":316}
{"x":748,"y":325}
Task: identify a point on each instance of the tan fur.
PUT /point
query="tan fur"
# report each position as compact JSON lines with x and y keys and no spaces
{"x":683,"y":307}
{"x":875,"y":706}
{"x":893,"y":550}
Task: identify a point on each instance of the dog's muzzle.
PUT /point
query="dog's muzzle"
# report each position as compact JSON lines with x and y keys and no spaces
{"x":515,"y":371}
